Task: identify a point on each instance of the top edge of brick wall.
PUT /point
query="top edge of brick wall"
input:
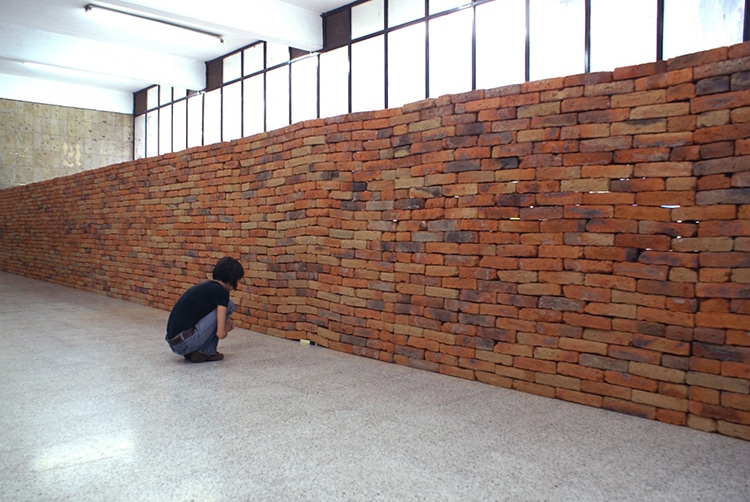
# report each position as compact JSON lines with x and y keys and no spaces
{"x":708,"y":61}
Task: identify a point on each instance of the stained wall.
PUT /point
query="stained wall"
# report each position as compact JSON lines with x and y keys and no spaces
{"x":41,"y":142}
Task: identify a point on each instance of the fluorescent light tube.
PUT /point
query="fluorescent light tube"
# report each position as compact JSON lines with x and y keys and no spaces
{"x":153,"y":28}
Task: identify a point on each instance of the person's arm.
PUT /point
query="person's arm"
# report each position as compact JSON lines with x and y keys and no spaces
{"x":221,"y":322}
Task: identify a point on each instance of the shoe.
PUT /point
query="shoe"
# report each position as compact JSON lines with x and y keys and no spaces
{"x":200,"y":357}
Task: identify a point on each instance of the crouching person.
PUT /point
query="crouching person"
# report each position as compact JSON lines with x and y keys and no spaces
{"x":200,"y":318}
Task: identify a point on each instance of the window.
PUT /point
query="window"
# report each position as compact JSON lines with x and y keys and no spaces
{"x":232,"y":67}
{"x":557,"y":38}
{"x":139,"y":137}
{"x":367,"y":18}
{"x":253,"y":59}
{"x":179,"y":125}
{"x":334,"y":82}
{"x":212,"y":117}
{"x":231,"y":112}
{"x":304,"y":89}
{"x":501,"y":53}
{"x":276,"y":54}
{"x":437,"y":6}
{"x":252,"y":106}
{"x":696,"y":25}
{"x":403,"y":11}
{"x":152,"y":133}
{"x":195,"y":121}
{"x":613,"y":25}
{"x":450,"y":53}
{"x":406,"y":65}
{"x":165,"y":129}
{"x":277,"y":98}
{"x":368,"y":74}
{"x":152,"y":99}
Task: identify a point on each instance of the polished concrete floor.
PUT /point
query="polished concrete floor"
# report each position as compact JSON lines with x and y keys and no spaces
{"x":95,"y":407}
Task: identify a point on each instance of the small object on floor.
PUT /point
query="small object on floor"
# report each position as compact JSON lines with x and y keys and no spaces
{"x":200,"y":357}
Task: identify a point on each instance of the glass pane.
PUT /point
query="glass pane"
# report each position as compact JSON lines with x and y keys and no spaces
{"x":195,"y":120}
{"x":152,"y":97}
{"x":406,"y":65}
{"x":437,"y":6}
{"x":367,"y":18}
{"x":334,"y":83}
{"x":165,"y":95}
{"x":368,"y":75}
{"x":305,"y":89}
{"x":212,"y":117}
{"x":450,"y":53}
{"x":557,"y":38}
{"x":277,"y":98}
{"x":152,"y":134}
{"x":165,"y":130}
{"x":232,"y":112}
{"x":252,"y":105}
{"x":232,"y":67}
{"x":253,"y":59}
{"x":612,"y":26}
{"x":276,"y":54}
{"x":179,"y":126}
{"x":697,"y":25}
{"x":139,"y":137}
{"x":501,"y":53}
{"x":403,"y":11}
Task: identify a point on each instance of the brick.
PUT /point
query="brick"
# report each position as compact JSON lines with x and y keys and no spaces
{"x":722,"y":133}
{"x":736,"y":401}
{"x":661,"y":345}
{"x":493,"y":379}
{"x":660,"y":401}
{"x":602,"y":363}
{"x":533,"y":388}
{"x":734,"y":430}
{"x":559,"y":381}
{"x":701,"y":423}
{"x":585,"y":104}
{"x":659,"y":110}
{"x":629,"y":408}
{"x":657,"y":373}
{"x":710,"y":381}
{"x":622,"y":379}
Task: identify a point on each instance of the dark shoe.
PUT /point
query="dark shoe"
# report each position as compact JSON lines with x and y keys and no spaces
{"x":200,"y":357}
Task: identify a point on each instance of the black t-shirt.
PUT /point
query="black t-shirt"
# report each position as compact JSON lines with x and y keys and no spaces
{"x":194,"y":305}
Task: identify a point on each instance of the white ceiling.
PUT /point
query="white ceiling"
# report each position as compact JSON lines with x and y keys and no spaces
{"x":98,"y":66}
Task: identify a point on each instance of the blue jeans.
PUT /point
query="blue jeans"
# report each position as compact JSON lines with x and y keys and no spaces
{"x":204,"y":338}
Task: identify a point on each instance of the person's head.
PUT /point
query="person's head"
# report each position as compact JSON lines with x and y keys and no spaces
{"x":229,"y":271}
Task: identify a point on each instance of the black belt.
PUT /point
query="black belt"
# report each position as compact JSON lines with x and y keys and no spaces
{"x":181,"y":337}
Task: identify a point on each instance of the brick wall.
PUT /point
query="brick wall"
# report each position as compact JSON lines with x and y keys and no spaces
{"x":585,"y":238}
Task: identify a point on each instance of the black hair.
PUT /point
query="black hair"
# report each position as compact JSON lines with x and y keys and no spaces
{"x":228,"y":270}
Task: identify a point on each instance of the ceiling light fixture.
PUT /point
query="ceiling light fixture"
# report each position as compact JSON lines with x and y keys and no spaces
{"x":119,"y":16}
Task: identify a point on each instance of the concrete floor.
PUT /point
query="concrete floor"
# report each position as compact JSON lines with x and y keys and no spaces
{"x":96,"y":407}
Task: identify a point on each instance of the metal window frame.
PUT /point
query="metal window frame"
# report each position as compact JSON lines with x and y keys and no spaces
{"x":334,"y":39}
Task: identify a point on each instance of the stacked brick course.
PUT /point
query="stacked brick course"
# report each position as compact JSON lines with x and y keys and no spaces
{"x":585,"y":238}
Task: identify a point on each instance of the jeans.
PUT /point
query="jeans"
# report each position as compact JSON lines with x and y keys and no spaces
{"x":204,"y":338}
